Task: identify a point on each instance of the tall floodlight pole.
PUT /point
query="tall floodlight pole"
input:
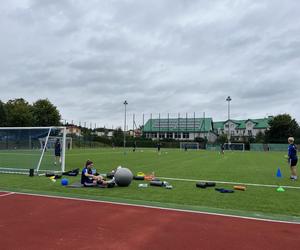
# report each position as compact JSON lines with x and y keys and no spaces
{"x":125,"y":103}
{"x":228,"y":100}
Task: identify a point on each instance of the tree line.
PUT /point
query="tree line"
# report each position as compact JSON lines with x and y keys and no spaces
{"x":20,"y":113}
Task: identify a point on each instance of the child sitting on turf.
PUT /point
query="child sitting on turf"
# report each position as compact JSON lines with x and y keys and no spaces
{"x":88,"y":178}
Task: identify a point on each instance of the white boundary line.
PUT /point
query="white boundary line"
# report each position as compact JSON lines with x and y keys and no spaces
{"x":228,"y":182}
{"x":161,"y":208}
{"x":10,"y":193}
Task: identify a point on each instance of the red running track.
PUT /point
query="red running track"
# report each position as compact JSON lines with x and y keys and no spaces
{"x":36,"y":222}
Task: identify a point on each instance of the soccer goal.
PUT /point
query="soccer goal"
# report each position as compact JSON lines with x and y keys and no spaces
{"x":25,"y":148}
{"x":234,"y":146}
{"x":189,"y":145}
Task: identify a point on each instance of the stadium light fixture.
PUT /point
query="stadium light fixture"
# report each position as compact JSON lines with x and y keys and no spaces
{"x":125,"y":104}
{"x":228,"y":100}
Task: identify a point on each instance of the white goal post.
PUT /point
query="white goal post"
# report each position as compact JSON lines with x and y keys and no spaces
{"x":189,"y":145}
{"x":234,"y":146}
{"x":21,"y":150}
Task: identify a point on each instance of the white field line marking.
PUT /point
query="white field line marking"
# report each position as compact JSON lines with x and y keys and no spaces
{"x":228,"y":182}
{"x":10,"y":193}
{"x":161,"y":208}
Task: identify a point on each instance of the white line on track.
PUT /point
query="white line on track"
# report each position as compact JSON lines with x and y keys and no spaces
{"x":10,"y":193}
{"x":228,"y":182}
{"x":162,"y":208}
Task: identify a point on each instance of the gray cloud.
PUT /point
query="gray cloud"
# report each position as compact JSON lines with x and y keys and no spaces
{"x":168,"y":56}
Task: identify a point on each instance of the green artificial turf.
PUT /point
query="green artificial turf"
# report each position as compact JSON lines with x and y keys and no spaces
{"x":246,"y":167}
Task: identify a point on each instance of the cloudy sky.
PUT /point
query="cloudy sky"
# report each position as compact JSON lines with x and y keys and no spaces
{"x":162,"y":56}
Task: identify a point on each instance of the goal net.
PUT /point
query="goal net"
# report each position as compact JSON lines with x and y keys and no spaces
{"x":189,"y":145}
{"x":25,"y":148}
{"x":234,"y":146}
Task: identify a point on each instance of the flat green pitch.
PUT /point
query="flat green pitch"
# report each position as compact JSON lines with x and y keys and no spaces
{"x":182,"y":170}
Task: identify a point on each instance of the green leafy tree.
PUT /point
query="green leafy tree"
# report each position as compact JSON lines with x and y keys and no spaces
{"x":3,"y":115}
{"x":222,"y":139}
{"x":19,"y":113}
{"x":260,"y":137}
{"x":45,"y":113}
{"x":281,"y":127}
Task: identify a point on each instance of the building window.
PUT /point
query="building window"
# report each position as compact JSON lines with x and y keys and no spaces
{"x":250,"y":132}
{"x":169,"y":135}
{"x":177,"y":135}
{"x":162,"y":135}
{"x":186,"y":135}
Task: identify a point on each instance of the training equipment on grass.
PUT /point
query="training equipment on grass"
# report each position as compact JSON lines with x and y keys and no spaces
{"x":156,"y":183}
{"x":223,"y":190}
{"x":280,"y":189}
{"x":278,"y":173}
{"x":73,"y":172}
{"x":149,"y":177}
{"x":123,"y":177}
{"x":205,"y":184}
{"x":64,"y":182}
{"x":31,"y":172}
{"x":241,"y":188}
{"x":140,"y":174}
{"x":139,"y":178}
{"x":52,"y":178}
{"x":143,"y":185}
{"x":159,"y":183}
{"x":34,"y":147}
{"x":201,"y":184}
{"x":53,"y":175}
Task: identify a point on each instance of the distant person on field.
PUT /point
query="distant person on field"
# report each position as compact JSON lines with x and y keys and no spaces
{"x":222,"y":148}
{"x":57,"y":151}
{"x":185,"y":147}
{"x":89,"y":178}
{"x":158,"y":147}
{"x":43,"y":146}
{"x":292,"y":158}
{"x":134,"y":146}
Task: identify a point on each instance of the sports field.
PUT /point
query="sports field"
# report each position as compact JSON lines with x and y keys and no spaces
{"x":256,"y":170}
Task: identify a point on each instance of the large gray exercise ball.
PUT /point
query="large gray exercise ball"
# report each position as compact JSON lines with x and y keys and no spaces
{"x":123,"y":177}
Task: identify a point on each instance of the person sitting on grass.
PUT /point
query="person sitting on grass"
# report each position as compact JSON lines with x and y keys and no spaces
{"x":293,"y":159}
{"x":89,"y":178}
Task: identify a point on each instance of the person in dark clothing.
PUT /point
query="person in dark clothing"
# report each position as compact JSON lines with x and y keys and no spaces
{"x":292,"y":158}
{"x":57,"y":151}
{"x":158,"y":147}
{"x":89,"y":178}
{"x":222,"y":148}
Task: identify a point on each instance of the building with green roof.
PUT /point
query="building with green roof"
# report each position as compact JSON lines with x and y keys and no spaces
{"x":240,"y":129}
{"x":183,"y":129}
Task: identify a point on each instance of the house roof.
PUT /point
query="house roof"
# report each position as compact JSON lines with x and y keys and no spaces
{"x":262,"y":123}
